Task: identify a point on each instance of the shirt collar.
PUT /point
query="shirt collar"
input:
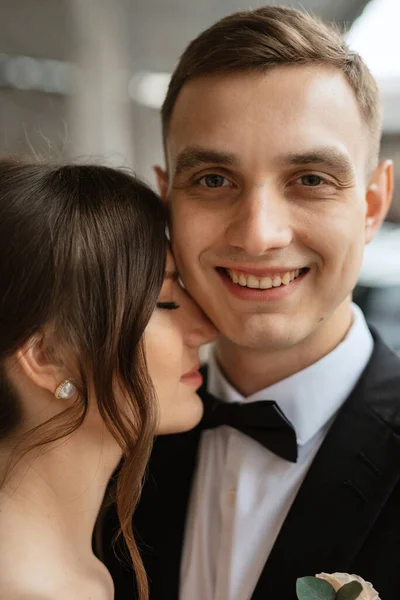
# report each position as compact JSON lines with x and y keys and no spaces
{"x":311,"y":397}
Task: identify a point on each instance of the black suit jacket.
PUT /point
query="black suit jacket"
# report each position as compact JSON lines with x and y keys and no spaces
{"x":346,"y":515}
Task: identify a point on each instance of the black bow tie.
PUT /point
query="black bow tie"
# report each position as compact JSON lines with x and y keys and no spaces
{"x":263,"y":421}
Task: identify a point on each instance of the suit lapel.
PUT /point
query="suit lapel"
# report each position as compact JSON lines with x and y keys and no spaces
{"x":348,"y":483}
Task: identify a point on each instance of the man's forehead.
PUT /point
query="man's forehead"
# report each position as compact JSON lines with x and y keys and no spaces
{"x":227,"y":89}
{"x":226,"y":113}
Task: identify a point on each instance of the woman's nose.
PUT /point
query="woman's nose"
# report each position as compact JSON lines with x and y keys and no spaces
{"x":198,"y":328}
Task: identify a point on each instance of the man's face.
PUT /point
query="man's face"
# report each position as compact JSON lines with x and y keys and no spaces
{"x":269,"y":203}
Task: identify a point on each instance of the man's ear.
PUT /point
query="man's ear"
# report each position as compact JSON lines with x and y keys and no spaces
{"x":39,"y":364}
{"x":162,"y":182}
{"x":378,"y":196}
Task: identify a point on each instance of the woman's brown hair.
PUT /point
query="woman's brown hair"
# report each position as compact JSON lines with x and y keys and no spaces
{"x":83,"y":250}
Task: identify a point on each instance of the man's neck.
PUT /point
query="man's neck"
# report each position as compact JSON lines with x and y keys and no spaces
{"x":251,"y":370}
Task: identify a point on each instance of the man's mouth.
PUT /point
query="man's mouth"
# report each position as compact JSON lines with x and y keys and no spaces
{"x":250,"y":280}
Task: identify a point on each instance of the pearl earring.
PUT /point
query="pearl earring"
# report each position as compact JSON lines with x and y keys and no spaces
{"x":65,"y":390}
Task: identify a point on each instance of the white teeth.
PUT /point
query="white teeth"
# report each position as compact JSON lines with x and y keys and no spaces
{"x":265,"y":283}
{"x":277,"y":281}
{"x":253,"y":282}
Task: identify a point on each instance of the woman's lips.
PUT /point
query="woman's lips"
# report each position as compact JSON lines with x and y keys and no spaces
{"x":193,"y":377}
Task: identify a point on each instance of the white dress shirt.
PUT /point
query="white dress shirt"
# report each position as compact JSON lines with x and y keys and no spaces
{"x":242,"y":492}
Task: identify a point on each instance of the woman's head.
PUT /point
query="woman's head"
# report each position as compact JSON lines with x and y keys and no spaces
{"x":82,"y":264}
{"x":83,"y":254}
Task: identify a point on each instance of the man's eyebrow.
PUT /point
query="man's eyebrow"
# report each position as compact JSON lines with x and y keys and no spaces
{"x":194,"y":157}
{"x":325,"y":156}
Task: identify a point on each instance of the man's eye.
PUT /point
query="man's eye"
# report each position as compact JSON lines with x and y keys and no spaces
{"x":311,"y":180}
{"x":214,"y":180}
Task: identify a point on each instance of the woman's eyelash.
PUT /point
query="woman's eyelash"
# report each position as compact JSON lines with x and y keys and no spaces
{"x":167,"y":305}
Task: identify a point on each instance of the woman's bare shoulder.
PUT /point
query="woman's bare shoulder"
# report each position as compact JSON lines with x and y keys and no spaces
{"x":26,"y":595}
{"x":20,"y":594}
{"x":48,"y":580}
{"x":24,"y":592}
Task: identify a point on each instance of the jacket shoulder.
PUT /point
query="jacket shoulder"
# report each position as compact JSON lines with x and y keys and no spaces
{"x":380,"y":384}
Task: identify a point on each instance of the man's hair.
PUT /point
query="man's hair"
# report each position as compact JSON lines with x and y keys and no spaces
{"x":274,"y":36}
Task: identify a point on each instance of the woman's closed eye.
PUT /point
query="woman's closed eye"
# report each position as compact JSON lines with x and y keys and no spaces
{"x":167,"y":305}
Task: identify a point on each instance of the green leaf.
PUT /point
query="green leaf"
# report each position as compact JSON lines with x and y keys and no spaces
{"x":313,"y":588}
{"x":349,"y":591}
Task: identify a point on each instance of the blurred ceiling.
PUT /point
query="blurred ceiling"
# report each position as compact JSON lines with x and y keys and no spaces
{"x":108,"y":39}
{"x":157,"y":30}
{"x":161,"y":29}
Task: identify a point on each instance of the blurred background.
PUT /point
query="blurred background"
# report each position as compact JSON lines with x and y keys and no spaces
{"x":83,"y":78}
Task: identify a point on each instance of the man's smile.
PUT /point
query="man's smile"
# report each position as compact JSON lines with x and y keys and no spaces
{"x":270,"y":278}
{"x":276,"y":285}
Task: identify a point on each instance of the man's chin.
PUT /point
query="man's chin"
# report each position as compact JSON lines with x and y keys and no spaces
{"x":265,"y":341}
{"x":262,"y":332}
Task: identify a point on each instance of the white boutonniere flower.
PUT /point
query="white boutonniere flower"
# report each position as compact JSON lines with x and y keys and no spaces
{"x":335,"y":586}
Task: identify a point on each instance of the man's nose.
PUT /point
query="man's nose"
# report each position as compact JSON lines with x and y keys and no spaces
{"x":260,"y":222}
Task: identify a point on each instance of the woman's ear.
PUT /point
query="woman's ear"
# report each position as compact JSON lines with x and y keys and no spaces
{"x":38,"y":362}
{"x":379,"y":196}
